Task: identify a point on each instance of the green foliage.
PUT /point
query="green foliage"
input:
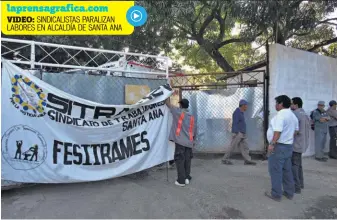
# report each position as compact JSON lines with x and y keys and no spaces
{"x":331,"y":50}
{"x":285,"y":18}
{"x":203,"y":28}
{"x":306,"y":42}
{"x":238,"y":55}
{"x":200,"y":32}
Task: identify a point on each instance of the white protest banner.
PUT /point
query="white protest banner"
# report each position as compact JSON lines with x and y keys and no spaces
{"x":49,"y":136}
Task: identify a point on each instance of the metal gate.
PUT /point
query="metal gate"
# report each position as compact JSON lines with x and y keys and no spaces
{"x":213,"y":99}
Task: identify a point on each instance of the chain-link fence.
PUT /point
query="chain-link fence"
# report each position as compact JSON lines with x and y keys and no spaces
{"x":213,"y":99}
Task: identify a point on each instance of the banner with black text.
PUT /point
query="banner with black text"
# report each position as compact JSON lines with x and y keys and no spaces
{"x":49,"y":136}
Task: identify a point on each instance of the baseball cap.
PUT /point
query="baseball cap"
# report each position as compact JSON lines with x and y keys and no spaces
{"x":243,"y":102}
{"x":332,"y":103}
{"x":321,"y":103}
{"x":184,"y":103}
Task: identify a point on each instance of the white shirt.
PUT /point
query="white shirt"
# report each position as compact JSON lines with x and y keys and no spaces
{"x":285,"y":122}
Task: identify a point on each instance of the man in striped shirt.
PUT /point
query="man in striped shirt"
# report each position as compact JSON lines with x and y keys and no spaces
{"x":182,"y":134}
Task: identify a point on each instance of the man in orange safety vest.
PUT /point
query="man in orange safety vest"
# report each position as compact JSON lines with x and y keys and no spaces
{"x":182,"y":134}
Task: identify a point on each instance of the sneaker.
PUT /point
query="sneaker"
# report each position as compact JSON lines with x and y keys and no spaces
{"x":227,"y":162}
{"x":298,"y":191}
{"x":178,"y":184}
{"x":287,"y":196}
{"x":268,"y":194}
{"x":250,"y":163}
{"x":187,"y":181}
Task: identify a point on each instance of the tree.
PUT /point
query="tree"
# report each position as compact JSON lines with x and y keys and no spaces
{"x":315,"y":40}
{"x":331,"y":50}
{"x":238,"y":55}
{"x":284,"y":20}
{"x":209,"y":24}
{"x":201,"y":31}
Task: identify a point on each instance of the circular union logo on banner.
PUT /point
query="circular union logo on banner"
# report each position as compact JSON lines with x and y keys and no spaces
{"x":28,"y":97}
{"x":23,"y":147}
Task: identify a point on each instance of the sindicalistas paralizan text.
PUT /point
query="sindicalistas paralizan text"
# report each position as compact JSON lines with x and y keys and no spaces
{"x":75,"y":19}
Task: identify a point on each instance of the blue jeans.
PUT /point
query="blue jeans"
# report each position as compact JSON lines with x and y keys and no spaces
{"x":280,"y":170}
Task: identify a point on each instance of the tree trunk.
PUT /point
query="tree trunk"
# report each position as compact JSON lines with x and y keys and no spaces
{"x":280,"y":39}
{"x":278,"y":36}
{"x":220,"y":60}
{"x":209,"y":47}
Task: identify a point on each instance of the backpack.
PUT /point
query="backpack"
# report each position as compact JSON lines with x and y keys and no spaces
{"x":312,"y":122}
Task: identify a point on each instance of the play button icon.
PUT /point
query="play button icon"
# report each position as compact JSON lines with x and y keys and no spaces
{"x":136,"y":16}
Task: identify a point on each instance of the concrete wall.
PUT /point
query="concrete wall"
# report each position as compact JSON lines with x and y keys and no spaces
{"x":299,"y":73}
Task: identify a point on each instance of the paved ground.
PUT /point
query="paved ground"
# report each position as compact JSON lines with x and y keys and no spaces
{"x":216,"y":191}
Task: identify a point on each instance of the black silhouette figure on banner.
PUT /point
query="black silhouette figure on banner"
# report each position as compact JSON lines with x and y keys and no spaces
{"x":34,"y":150}
{"x":26,"y":154}
{"x":18,"y":150}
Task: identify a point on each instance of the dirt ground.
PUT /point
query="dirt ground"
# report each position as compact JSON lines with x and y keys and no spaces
{"x":216,"y":191}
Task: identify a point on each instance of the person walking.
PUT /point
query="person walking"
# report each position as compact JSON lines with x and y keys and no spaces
{"x":239,"y":135}
{"x":280,"y":135}
{"x":321,"y":119}
{"x":301,"y":143}
{"x":332,"y":112}
{"x":182,"y":134}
